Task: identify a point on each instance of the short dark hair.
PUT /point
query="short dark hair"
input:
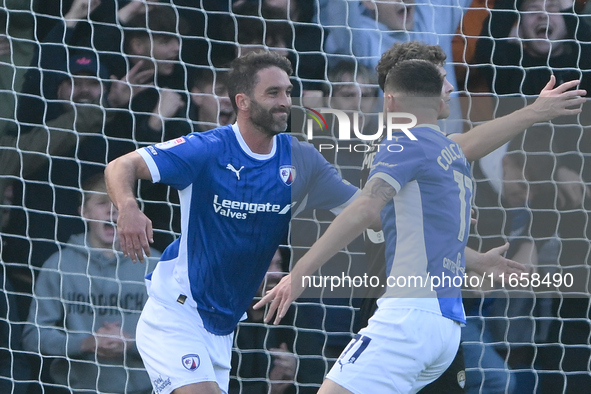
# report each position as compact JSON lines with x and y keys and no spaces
{"x":415,"y":78}
{"x":202,"y":76}
{"x":161,"y":20}
{"x":344,"y":68}
{"x":252,"y":28}
{"x":243,"y":77}
{"x":92,"y":185}
{"x":350,"y":67}
{"x":402,"y":51}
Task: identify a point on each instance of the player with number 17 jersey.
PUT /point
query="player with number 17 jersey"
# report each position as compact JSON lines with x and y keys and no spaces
{"x":235,"y":211}
{"x":424,"y":237}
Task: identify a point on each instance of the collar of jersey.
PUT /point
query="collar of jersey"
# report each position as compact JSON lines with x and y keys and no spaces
{"x":431,"y":126}
{"x":247,"y":150}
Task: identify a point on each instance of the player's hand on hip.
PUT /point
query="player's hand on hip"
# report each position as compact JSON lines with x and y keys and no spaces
{"x":135,"y":233}
{"x":279,"y":299}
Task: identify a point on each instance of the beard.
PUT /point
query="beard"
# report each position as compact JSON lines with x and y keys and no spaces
{"x":265,"y":119}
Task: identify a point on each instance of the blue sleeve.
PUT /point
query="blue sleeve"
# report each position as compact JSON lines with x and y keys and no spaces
{"x":326,"y":188}
{"x":178,"y":162}
{"x":398,"y":162}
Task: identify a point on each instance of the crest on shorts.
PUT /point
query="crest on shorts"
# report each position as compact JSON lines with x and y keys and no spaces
{"x":462,"y":378}
{"x":191,"y":362}
{"x":287,"y":174}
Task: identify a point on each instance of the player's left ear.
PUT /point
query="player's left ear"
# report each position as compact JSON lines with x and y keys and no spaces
{"x":389,"y":103}
{"x":242,"y":102}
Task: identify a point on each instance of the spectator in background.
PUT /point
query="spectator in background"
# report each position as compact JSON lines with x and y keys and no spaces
{"x":523,"y":42}
{"x":262,"y":358}
{"x":17,"y":29}
{"x":159,"y":111}
{"x":76,"y":105}
{"x":293,"y":10}
{"x":378,"y":25}
{"x":251,"y":32}
{"x":209,"y":94}
{"x":139,"y":43}
{"x":50,"y":97}
{"x":309,"y":60}
{"x":14,"y":366}
{"x":517,"y":200}
{"x":502,"y":200}
{"x":55,"y":156}
{"x":366,"y":29}
{"x":354,"y":90}
{"x":151,"y":42}
{"x":88,"y":298}
{"x":68,"y":130}
{"x":259,"y":26}
{"x":40,"y":89}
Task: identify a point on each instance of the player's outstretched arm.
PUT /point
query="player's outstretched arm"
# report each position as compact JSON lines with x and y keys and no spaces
{"x":551,"y":103}
{"x":493,"y":263}
{"x":354,"y":219}
{"x":134,"y":228}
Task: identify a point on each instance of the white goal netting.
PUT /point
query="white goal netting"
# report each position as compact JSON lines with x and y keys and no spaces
{"x":85,"y":81}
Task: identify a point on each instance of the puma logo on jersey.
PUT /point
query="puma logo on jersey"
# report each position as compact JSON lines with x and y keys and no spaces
{"x":234,"y":170}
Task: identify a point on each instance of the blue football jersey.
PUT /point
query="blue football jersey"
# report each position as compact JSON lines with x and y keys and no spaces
{"x":235,"y":211}
{"x":426,"y":225}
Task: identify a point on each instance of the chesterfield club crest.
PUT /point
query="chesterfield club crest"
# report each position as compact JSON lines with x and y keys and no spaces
{"x":287,"y":174}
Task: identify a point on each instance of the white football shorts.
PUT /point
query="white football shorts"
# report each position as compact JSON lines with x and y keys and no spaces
{"x":400,"y":351}
{"x":177,"y":350}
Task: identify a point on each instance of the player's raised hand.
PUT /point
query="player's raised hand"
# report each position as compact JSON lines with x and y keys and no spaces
{"x":135,"y":232}
{"x":280,"y":298}
{"x":559,"y":101}
{"x":133,"y":227}
{"x":494,"y":262}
